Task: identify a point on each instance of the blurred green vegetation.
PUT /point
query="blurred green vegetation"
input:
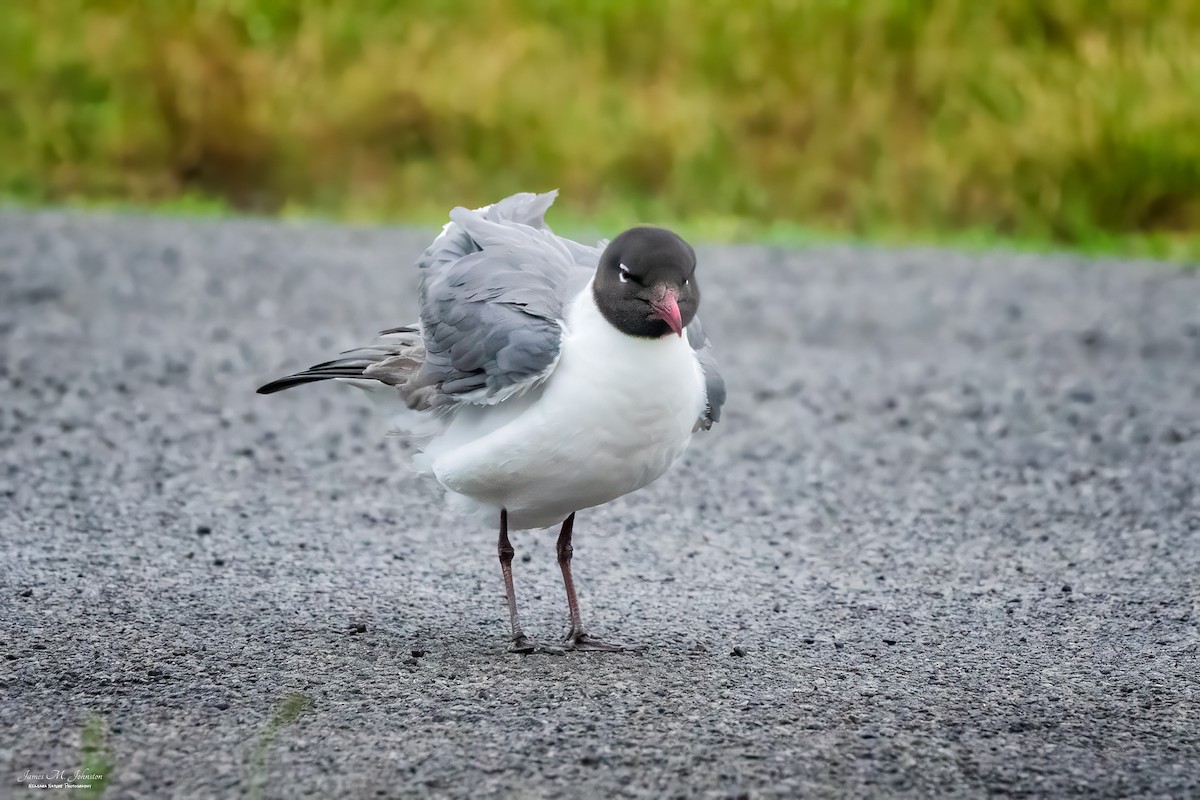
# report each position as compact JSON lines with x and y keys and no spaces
{"x":1064,"y":121}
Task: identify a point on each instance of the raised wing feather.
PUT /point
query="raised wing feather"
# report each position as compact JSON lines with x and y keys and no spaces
{"x":494,"y":287}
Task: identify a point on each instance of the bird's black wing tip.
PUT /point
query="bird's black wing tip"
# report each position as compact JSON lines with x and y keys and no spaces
{"x":286,"y":383}
{"x":399,"y":329}
{"x":322,"y":372}
{"x":273,"y":387}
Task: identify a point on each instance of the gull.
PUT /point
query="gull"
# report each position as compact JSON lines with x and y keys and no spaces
{"x":544,"y":376}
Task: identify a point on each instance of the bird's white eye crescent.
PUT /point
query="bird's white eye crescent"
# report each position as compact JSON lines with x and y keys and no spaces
{"x":624,"y":273}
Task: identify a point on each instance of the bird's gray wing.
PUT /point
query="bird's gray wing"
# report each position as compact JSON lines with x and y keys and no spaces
{"x":494,"y":288}
{"x":714,"y":384}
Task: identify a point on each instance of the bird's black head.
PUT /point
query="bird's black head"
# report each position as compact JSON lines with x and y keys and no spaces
{"x":646,"y":283}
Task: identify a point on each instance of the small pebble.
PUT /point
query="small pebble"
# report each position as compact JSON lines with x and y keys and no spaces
{"x":218,"y":562}
{"x":1067,"y":589}
{"x":1173,"y":436}
{"x":739,"y":651}
{"x":417,"y":652}
{"x":359,"y":627}
{"x":27,"y":593}
{"x":1082,"y":395}
{"x":203,"y":530}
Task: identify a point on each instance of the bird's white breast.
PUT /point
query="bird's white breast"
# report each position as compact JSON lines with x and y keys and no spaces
{"x":615,"y":414}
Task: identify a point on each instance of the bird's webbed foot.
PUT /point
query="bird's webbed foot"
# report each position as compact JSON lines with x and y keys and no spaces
{"x":583,"y":641}
{"x":524,"y":645}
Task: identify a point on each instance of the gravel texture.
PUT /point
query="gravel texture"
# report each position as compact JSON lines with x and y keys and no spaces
{"x":945,"y":540}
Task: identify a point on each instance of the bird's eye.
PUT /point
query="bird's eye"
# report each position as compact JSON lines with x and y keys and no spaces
{"x":624,"y":277}
{"x":686,"y":281}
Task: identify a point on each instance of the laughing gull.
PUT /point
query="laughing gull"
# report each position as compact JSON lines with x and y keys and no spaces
{"x":545,"y":376}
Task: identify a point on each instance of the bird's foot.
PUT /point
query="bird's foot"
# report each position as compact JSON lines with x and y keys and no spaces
{"x":526,"y":646}
{"x":581,"y":640}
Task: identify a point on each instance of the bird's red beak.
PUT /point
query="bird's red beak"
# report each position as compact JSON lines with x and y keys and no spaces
{"x":666,"y":308}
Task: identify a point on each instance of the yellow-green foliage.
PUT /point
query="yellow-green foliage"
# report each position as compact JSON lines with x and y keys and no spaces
{"x":1061,"y":119}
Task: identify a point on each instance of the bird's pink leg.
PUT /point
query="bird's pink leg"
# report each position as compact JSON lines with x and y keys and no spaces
{"x":520,"y":642}
{"x":577,"y":637}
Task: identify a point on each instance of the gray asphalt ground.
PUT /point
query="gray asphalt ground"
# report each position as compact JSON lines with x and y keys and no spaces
{"x":946,"y":540}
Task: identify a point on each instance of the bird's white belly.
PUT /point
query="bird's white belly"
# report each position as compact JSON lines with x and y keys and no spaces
{"x":615,"y":414}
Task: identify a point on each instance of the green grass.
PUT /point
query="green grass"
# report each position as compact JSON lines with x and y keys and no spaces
{"x":95,"y":758}
{"x":294,"y":706}
{"x":1059,"y":123}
